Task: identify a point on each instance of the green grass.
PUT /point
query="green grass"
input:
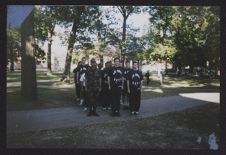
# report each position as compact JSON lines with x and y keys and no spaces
{"x":188,"y":81}
{"x":164,"y":92}
{"x":47,"y":98}
{"x":175,"y":130}
{"x":16,"y":76}
{"x":64,"y":97}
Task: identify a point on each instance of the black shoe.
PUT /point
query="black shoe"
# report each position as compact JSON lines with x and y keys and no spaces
{"x":113,"y":114}
{"x":89,"y":114}
{"x":117,"y":113}
{"x":95,"y":114}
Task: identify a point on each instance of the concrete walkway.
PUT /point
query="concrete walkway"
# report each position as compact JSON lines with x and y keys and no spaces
{"x":33,"y":120}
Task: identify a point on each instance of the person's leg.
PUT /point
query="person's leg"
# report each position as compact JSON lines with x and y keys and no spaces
{"x":130,"y":101}
{"x":124,"y":93}
{"x":118,"y":95}
{"x":95,"y":102}
{"x":133,"y":101}
{"x":104,"y":97}
{"x":89,"y":99}
{"x":113,"y":98}
{"x":85,"y":99}
{"x":81,"y":95}
{"x":137,"y":103}
{"x":78,"y":89}
{"x":109,"y":99}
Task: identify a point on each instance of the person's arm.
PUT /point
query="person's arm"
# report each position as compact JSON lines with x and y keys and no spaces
{"x":109,"y":83}
{"x":141,"y":81}
{"x":77,"y":77}
{"x":141,"y":84}
{"x":122,"y":82}
{"x":128,"y":90}
{"x":100,"y":82}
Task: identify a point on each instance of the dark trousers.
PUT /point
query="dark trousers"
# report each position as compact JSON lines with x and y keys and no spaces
{"x":92,"y":98}
{"x":84,"y":96}
{"x":116,"y":94}
{"x":148,"y":80}
{"x":134,"y":103}
{"x":78,"y":90}
{"x":125,"y":94}
{"x":106,"y":96}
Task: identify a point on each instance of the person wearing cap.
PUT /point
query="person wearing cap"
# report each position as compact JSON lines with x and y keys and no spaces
{"x":93,"y":87}
{"x":134,"y":86}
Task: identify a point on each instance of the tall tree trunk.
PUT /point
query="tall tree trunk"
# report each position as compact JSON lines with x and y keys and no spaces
{"x":191,"y":69}
{"x":50,"y":34}
{"x":66,"y":74}
{"x":123,"y":40}
{"x":166,"y":72}
{"x":11,"y":59}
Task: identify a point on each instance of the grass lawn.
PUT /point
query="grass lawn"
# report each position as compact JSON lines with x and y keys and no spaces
{"x":16,"y":76}
{"x":51,"y":98}
{"x":47,"y":98}
{"x":176,"y":130}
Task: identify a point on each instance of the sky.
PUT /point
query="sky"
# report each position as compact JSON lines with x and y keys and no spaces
{"x":17,"y":13}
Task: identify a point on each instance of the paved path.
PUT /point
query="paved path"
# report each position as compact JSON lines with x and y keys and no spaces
{"x":22,"y":121}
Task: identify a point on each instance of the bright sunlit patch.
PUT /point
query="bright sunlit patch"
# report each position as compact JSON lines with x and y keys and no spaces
{"x":209,"y":97}
{"x":154,"y":90}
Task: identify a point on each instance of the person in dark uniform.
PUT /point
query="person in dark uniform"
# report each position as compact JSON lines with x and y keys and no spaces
{"x":125,"y":95}
{"x":105,"y":85}
{"x":93,"y":87}
{"x":134,"y":85}
{"x":81,"y":78}
{"x":116,"y":86}
{"x":100,"y":98}
{"x":147,"y":77}
{"x":77,"y":83}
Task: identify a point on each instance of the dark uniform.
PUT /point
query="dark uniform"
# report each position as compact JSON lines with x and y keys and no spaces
{"x":83,"y":94}
{"x":93,"y":86}
{"x":77,"y":83}
{"x":100,"y":98}
{"x":105,"y":91}
{"x":116,"y":76}
{"x":147,"y":77}
{"x":125,"y":92}
{"x":135,"y":77}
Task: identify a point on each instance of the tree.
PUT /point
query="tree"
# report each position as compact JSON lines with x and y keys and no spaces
{"x":190,"y":28}
{"x":160,"y":34}
{"x":126,"y":11}
{"x":82,"y":19}
{"x":13,"y":42}
{"x":45,"y":22}
{"x":212,"y":44}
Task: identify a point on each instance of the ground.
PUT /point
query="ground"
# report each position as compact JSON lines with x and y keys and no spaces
{"x":178,"y":129}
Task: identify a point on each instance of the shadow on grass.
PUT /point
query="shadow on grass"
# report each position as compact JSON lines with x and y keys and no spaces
{"x":16,"y":76}
{"x":47,"y":98}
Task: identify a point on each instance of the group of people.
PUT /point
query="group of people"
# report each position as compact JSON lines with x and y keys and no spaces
{"x":108,"y":86}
